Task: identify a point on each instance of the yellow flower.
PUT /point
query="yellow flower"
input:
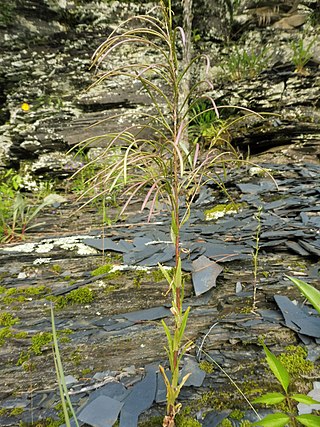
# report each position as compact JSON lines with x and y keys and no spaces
{"x":25,"y":107}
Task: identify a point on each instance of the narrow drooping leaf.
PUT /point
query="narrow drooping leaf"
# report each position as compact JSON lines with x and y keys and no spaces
{"x":270,"y":398}
{"x":309,"y":420}
{"x":302,"y":398}
{"x":273,"y":420}
{"x":64,"y":394}
{"x":279,"y":371}
{"x":311,"y":293}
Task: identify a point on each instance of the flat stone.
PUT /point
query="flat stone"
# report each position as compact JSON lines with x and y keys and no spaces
{"x":101,"y":412}
{"x":148,"y":314}
{"x":296,"y":319}
{"x":191,"y":366}
{"x":140,"y":399}
{"x":204,"y":274}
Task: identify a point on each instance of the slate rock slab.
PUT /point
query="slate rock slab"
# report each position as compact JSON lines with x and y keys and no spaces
{"x":140,"y":399}
{"x":204,"y":274}
{"x":197,"y":376}
{"x":101,"y":412}
{"x":297,"y":319}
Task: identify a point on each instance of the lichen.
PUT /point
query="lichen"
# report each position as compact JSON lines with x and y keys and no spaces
{"x":221,"y":210}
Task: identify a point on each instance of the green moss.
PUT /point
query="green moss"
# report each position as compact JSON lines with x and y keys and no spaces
{"x":39,"y":341}
{"x":185,"y":421}
{"x":245,"y":423}
{"x":86,"y":371}
{"x":206,"y":366}
{"x":157,"y":275}
{"x":109,"y":289}
{"x":103,"y":269}
{"x":2,"y":289}
{"x":138,"y":277}
{"x":20,"y":335}
{"x":34,"y":290}
{"x":11,"y":291}
{"x":43,"y":339}
{"x":294,"y":360}
{"x":82,"y":295}
{"x":237,"y":415}
{"x":16,"y":411}
{"x":225,"y":423}
{"x":7,"y":319}
{"x":76,"y":357}
{"x":5,"y":333}
{"x":56,"y":268}
{"x":152,"y":422}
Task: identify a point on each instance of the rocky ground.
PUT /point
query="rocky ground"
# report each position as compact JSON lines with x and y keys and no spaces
{"x":107,"y":312}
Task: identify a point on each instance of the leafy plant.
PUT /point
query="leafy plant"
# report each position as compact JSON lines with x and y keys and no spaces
{"x":301,"y":54}
{"x":22,"y":214}
{"x":242,"y":63}
{"x":16,"y":211}
{"x":164,"y":165}
{"x":282,"y":419}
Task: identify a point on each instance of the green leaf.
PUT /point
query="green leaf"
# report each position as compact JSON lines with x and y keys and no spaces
{"x":270,"y":398}
{"x":183,"y":324}
{"x":165,"y":274}
{"x":273,"y":420}
{"x":302,"y":398}
{"x":309,"y":420}
{"x":311,"y":293}
{"x":279,"y":371}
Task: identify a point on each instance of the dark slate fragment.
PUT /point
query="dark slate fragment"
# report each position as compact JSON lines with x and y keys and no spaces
{"x":295,"y":247}
{"x":118,"y":326}
{"x":274,"y":205}
{"x":108,"y":244}
{"x":225,"y":251}
{"x":296,"y":319}
{"x":256,"y":188}
{"x":214,"y":419}
{"x":148,"y":314}
{"x":282,"y":233}
{"x":191,"y":366}
{"x":114,"y":389}
{"x":160,"y":257}
{"x":204,"y":274}
{"x":140,"y":242}
{"x":101,"y":412}
{"x":140,"y":399}
{"x":304,"y":218}
{"x":161,"y":393}
{"x":137,"y":256}
{"x":270,"y":315}
{"x":314,"y":221}
{"x":310,"y":247}
{"x":205,"y":197}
